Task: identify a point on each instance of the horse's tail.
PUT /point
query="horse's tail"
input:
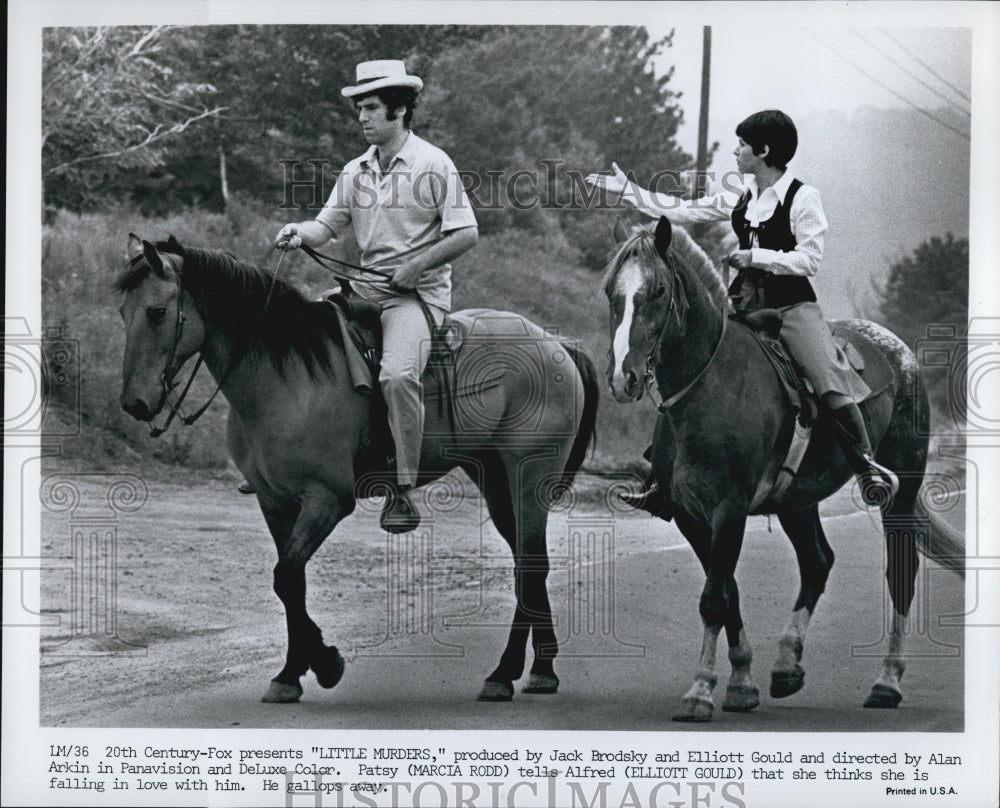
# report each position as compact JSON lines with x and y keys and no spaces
{"x":586,"y":433}
{"x":940,"y":542}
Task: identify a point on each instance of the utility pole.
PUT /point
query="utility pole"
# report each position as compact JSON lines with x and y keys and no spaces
{"x":706,"y":69}
{"x":700,"y":232}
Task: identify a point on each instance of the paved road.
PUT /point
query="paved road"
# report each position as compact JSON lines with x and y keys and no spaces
{"x":622,"y":668}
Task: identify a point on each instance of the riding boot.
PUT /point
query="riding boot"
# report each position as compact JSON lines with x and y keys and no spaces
{"x":878,"y":484}
{"x":399,"y":514}
{"x":246,"y":488}
{"x":650,"y":498}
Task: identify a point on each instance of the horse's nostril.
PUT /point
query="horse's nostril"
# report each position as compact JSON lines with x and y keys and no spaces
{"x":630,"y":382}
{"x":138,"y":410}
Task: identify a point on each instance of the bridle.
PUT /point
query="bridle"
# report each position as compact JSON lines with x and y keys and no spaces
{"x":172,"y":366}
{"x":649,"y":379}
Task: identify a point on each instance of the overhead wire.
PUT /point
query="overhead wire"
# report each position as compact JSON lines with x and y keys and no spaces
{"x":912,"y":75}
{"x":925,"y":66}
{"x":887,"y":88}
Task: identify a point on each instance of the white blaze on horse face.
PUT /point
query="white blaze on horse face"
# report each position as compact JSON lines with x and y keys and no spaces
{"x":627,"y":284}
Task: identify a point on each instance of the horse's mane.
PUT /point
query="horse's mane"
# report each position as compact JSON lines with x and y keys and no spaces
{"x":253,"y":307}
{"x":639,"y":244}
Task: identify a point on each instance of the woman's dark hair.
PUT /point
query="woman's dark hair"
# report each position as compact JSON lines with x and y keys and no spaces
{"x":394,"y":98}
{"x":773,"y":128}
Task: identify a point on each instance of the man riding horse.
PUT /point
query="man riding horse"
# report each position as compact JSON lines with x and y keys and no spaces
{"x":780,"y":224}
{"x":410,"y":214}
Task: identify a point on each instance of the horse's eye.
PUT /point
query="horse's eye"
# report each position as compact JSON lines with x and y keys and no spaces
{"x":155,"y":314}
{"x":658,"y":292}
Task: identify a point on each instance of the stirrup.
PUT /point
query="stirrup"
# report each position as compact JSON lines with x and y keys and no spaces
{"x":878,"y":484}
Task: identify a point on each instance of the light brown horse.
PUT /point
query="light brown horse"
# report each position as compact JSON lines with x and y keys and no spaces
{"x":297,"y":428}
{"x":725,"y":428}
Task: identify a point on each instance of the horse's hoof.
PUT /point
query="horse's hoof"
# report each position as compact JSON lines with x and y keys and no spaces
{"x":280,"y":693}
{"x":541,"y":683}
{"x":496,"y":691}
{"x":741,"y":699}
{"x":883,"y":697}
{"x":328,"y":668}
{"x":694,"y":710}
{"x":785,"y":683}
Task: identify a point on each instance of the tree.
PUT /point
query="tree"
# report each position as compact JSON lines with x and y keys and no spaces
{"x":110,"y":102}
{"x":281,"y":87}
{"x":929,"y":287}
{"x":926,"y":303}
{"x":545,"y":106}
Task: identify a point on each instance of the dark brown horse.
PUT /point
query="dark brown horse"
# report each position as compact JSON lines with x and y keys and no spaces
{"x":721,"y":438}
{"x":297,"y":426}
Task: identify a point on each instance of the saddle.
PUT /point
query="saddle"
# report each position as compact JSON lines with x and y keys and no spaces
{"x":765,"y":325}
{"x":361,"y":328}
{"x":862,"y":355}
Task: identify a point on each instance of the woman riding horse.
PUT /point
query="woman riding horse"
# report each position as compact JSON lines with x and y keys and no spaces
{"x":780,"y":224}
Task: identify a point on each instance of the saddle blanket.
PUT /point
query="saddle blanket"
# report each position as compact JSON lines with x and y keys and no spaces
{"x":864,"y":356}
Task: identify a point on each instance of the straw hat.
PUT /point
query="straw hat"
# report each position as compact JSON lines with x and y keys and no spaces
{"x":375,"y":75}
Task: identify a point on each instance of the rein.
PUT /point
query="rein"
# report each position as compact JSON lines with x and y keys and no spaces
{"x":442,"y":360}
{"x":322,"y":260}
{"x":675,"y":398}
{"x":667,"y":403}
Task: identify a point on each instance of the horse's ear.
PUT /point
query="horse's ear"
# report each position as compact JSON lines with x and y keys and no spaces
{"x":153,"y":258}
{"x":174,"y":246}
{"x":134,"y":249}
{"x":620,"y":231}
{"x":662,"y":236}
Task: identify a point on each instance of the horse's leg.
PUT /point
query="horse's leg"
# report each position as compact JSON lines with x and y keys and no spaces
{"x":815,"y":559}
{"x":900,"y":527}
{"x":523,"y":528}
{"x":718,"y":551}
{"x":742,"y":694}
{"x":534,"y":514}
{"x":313,"y":522}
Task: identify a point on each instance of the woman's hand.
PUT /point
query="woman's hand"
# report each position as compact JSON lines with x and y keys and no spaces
{"x":739,"y":259}
{"x":616,"y":182}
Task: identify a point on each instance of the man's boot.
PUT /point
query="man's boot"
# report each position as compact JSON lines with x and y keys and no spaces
{"x":246,"y":488}
{"x":878,"y":484}
{"x":399,"y":514}
{"x":651,"y":498}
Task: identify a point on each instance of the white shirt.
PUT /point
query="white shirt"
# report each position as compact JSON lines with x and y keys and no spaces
{"x":806,"y":217}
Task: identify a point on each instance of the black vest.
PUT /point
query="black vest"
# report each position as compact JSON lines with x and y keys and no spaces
{"x":773,"y":234}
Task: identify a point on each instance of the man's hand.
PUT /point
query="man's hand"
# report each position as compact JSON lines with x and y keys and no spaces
{"x":407,"y":276}
{"x":288,"y":238}
{"x":616,"y":182}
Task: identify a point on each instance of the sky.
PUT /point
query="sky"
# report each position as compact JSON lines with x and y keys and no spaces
{"x":808,"y":68}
